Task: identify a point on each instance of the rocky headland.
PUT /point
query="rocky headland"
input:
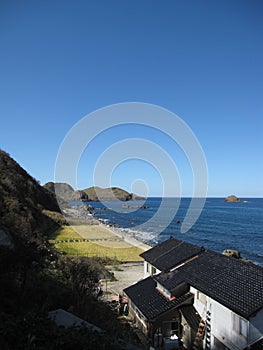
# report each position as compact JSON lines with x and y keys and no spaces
{"x":91,"y":194}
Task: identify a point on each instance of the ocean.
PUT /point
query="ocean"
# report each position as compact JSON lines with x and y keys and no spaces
{"x":220,"y":226}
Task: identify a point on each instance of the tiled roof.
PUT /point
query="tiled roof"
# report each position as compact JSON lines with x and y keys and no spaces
{"x":233,"y":283}
{"x":170,"y":280}
{"x":151,"y":302}
{"x":170,"y":253}
{"x":66,"y":319}
{"x":192,"y":316}
{"x":256,"y":346}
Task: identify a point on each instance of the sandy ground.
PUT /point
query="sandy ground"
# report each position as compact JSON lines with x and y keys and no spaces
{"x":127,"y":238}
{"x":129,"y":273}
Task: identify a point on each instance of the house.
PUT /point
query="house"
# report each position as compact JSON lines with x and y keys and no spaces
{"x":208,"y":300}
{"x":167,"y":255}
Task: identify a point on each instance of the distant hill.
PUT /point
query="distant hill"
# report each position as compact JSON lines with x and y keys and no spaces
{"x":66,"y":192}
{"x":92,"y":194}
{"x":96,"y":193}
{"x":22,"y":202}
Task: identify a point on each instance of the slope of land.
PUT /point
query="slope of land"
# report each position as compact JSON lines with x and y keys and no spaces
{"x":22,"y":201}
{"x":66,"y":192}
{"x":93,"y":194}
{"x":96,"y":193}
{"x":36,"y":279}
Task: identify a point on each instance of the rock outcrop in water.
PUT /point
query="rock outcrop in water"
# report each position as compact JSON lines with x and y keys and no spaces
{"x":232,"y":252}
{"x":233,"y":199}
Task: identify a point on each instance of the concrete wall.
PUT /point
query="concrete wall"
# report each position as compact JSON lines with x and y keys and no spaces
{"x":224,"y":324}
{"x":149,"y":267}
{"x":139,"y":319}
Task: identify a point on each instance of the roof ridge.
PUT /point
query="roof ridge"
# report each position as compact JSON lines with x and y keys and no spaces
{"x":168,"y":251}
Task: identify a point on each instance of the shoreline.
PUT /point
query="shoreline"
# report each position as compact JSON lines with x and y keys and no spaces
{"x":118,"y":232}
{"x":73,"y":214}
{"x":128,"y":239}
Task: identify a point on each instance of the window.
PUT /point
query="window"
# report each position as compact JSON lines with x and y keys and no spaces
{"x":147,"y":267}
{"x":174,"y":328}
{"x":240,"y":325}
{"x":170,"y":328}
{"x":153,"y":270}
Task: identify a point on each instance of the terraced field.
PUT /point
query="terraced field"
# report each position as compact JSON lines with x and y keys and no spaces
{"x":94,"y":241}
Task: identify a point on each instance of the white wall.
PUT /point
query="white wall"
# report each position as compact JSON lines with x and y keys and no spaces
{"x":222,"y":323}
{"x":145,"y":269}
{"x":149,"y":272}
{"x":222,"y":327}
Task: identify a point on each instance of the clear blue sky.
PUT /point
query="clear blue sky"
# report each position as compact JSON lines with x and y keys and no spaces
{"x":61,"y":60}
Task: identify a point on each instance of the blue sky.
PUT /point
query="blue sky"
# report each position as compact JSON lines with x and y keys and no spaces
{"x":202,"y":60}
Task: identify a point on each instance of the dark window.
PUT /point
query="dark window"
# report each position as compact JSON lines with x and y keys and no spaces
{"x":174,"y":327}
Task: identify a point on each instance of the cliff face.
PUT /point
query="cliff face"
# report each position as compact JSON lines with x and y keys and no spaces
{"x":22,"y":201}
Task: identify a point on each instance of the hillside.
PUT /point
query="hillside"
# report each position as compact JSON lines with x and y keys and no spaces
{"x":36,"y":279}
{"x":66,"y":192}
{"x":96,"y":193}
{"x":22,"y":201}
{"x":92,"y":194}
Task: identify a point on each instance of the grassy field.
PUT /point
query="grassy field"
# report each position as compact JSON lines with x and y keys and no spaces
{"x":103,"y":244}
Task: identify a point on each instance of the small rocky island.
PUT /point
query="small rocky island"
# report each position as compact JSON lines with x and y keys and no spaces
{"x":234,"y":199}
{"x":126,"y":206}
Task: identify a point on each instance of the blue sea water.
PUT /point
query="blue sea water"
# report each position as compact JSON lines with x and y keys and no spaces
{"x":220,"y":226}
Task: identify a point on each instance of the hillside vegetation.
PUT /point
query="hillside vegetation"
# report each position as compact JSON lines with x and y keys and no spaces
{"x":35,"y":278}
{"x":22,"y":201}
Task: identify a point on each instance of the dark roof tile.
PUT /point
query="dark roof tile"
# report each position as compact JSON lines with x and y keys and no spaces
{"x":170,"y":253}
{"x":236,"y":284}
{"x":192,"y":316}
{"x":150,"y":301}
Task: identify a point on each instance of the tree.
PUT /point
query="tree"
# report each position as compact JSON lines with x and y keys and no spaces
{"x":82,"y":274}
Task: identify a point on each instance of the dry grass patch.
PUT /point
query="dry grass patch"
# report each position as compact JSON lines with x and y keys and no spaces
{"x":94,"y":232}
{"x":91,"y":249}
{"x":64,"y":233}
{"x":83,"y":231}
{"x":111,"y":245}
